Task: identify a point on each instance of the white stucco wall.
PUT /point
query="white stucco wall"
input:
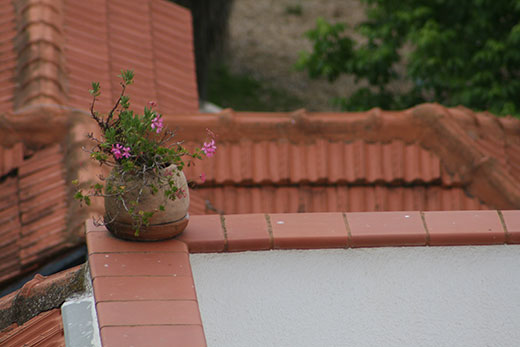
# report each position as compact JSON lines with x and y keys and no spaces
{"x":417,"y":296}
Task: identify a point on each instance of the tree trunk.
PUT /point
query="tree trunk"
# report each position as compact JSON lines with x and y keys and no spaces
{"x":210,"y":29}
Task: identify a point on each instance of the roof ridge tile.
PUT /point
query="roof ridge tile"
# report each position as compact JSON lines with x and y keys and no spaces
{"x":41,"y":77}
{"x":40,"y":294}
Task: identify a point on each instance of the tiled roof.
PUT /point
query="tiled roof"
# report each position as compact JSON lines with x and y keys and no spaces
{"x":428,"y":157}
{"x":323,"y":161}
{"x":338,"y":198}
{"x":53,"y":50}
{"x":31,"y":316}
{"x":8,"y":58}
{"x":145,"y":293}
{"x":33,"y":209}
{"x":98,"y":42}
{"x":46,"y":329}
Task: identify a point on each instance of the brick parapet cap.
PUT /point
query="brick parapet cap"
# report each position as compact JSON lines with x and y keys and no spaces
{"x":342,"y":230}
{"x":145,"y":290}
{"x":249,"y":232}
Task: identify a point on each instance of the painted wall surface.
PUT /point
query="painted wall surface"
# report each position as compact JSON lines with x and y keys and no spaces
{"x":416,"y":296}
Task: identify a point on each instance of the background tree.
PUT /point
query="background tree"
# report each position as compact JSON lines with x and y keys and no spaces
{"x":210,"y":28}
{"x":454,"y":52}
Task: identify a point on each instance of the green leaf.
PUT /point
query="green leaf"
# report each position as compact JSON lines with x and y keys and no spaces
{"x":95,"y":91}
{"x":127,"y":76}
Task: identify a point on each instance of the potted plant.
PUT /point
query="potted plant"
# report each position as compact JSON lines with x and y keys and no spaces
{"x":146,"y":193}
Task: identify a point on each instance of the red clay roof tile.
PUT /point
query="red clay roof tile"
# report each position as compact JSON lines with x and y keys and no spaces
{"x":335,"y":198}
{"x":7,"y":56}
{"x":428,"y":157}
{"x":40,"y":294}
{"x":10,"y":158}
{"x":323,"y":161}
{"x":424,"y":158}
{"x":33,"y":210}
{"x":45,"y":330}
{"x":162,"y":56}
{"x":31,"y":316}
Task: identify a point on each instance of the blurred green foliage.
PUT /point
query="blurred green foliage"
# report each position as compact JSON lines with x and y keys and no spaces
{"x":244,"y":93}
{"x":454,"y":52}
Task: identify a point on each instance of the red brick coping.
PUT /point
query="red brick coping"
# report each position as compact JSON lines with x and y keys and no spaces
{"x":145,"y":294}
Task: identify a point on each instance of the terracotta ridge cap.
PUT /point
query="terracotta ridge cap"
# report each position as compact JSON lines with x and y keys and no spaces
{"x":25,"y":5}
{"x":38,"y":125}
{"x":375,"y":125}
{"x":42,"y":293}
{"x":484,"y":176}
{"x":40,"y":74}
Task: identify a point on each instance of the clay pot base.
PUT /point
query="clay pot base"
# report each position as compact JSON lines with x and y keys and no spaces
{"x":155,"y":232}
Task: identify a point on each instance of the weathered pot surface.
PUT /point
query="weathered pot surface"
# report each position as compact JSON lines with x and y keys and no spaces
{"x":163,"y":224}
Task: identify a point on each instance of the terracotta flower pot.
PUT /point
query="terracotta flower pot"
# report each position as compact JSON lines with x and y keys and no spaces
{"x":163,"y":224}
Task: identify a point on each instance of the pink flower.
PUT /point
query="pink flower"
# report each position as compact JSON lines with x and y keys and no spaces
{"x":180,"y":193}
{"x":203,"y":177}
{"x":126,"y":152}
{"x":116,"y":151}
{"x":209,"y":148}
{"x":157,"y":123}
{"x":152,"y":104}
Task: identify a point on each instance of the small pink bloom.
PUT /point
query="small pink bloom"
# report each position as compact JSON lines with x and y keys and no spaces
{"x":152,"y":104}
{"x":180,"y":193}
{"x":203,"y":177}
{"x":209,"y":148}
{"x":157,"y":123}
{"x":126,"y":152}
{"x":116,"y":151}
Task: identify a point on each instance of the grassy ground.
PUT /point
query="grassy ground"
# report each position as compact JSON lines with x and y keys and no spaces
{"x":244,"y":93}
